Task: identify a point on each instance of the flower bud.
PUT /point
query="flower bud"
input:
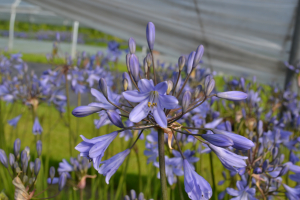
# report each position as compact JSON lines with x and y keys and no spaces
{"x":186,"y":100}
{"x":115,"y":118}
{"x":127,"y":61}
{"x":145,"y":65}
{"x":242,"y":81}
{"x":39,"y":148}
{"x":198,"y":55}
{"x":25,"y":179}
{"x":207,"y":80}
{"x":37,"y":166}
{"x":274,"y":152}
{"x":83,"y":111}
{"x":150,"y":34}
{"x":210,"y":87}
{"x":181,"y":62}
{"x":31,"y":166}
{"x":125,"y":84}
{"x":11,"y":159}
{"x":284,"y":170}
{"x":3,"y":158}
{"x":131,"y":45}
{"x":24,"y":160}
{"x":30,"y":181}
{"x":126,"y":75}
{"x":134,"y":67}
{"x":170,"y":86}
{"x":17,"y":147}
{"x":190,"y":62}
{"x":62,"y":181}
{"x":197,"y":91}
{"x":265,"y":165}
{"x":52,"y":173}
{"x":149,"y":59}
{"x":103,"y":86}
{"x":233,"y":95}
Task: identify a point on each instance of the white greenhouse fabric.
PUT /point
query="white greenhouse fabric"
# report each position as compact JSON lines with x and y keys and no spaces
{"x":250,"y":37}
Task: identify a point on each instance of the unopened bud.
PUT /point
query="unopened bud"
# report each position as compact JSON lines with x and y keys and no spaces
{"x":145,"y":65}
{"x":207,"y":80}
{"x":39,"y":148}
{"x":210,"y":87}
{"x":186,"y":100}
{"x":11,"y":159}
{"x":149,"y":59}
{"x":265,"y":165}
{"x":197,"y":91}
{"x":170,"y":86}
{"x":284,"y":170}
{"x":52,"y":173}
{"x":31,"y":166}
{"x":127,"y":61}
{"x":103,"y":87}
{"x":150,"y":34}
{"x":62,"y":181}
{"x":37,"y":166}
{"x":134,"y":67}
{"x":126,"y":75}
{"x":30,"y":181}
{"x":3,"y":158}
{"x":198,"y":55}
{"x":131,"y":45}
{"x":274,"y":152}
{"x":190,"y":62}
{"x":181,"y":62}
{"x":25,"y":179}
{"x":17,"y":147}
{"x":125,"y":84}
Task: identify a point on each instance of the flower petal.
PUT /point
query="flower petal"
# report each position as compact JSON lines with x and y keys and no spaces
{"x":139,"y":112}
{"x":145,"y":85}
{"x":135,"y":96}
{"x":159,"y":116}
{"x":161,"y":88}
{"x":168,"y":102}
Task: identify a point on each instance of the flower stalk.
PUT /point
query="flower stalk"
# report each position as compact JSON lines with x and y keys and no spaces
{"x":162,"y":171}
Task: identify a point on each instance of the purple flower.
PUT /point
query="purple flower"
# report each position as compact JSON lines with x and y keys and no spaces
{"x":153,"y":99}
{"x":233,"y":95}
{"x":104,"y":120}
{"x":150,"y":34}
{"x":239,"y":142}
{"x":95,"y":148}
{"x":3,"y":158}
{"x":292,"y":193}
{"x":242,"y":192}
{"x":231,"y":161}
{"x":218,"y":140}
{"x":13,"y":122}
{"x":195,"y":185}
{"x":110,"y":166}
{"x":83,"y":111}
{"x":64,"y":166}
{"x":37,"y":128}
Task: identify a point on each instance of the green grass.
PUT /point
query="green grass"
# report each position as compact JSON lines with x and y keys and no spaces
{"x":56,"y":147}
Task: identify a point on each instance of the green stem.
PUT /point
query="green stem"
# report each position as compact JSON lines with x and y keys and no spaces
{"x":2,"y":136}
{"x":212,"y":174}
{"x":161,"y":156}
{"x":139,"y":169}
{"x":69,"y":115}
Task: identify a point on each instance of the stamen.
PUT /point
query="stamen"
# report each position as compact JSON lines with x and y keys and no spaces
{"x":149,"y":104}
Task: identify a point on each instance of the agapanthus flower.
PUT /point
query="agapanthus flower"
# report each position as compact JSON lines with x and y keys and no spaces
{"x":195,"y":185}
{"x":230,"y":160}
{"x":94,"y":148}
{"x":152,"y":99}
{"x":110,"y":166}
{"x":37,"y":128}
{"x":243,"y":192}
{"x":13,"y":122}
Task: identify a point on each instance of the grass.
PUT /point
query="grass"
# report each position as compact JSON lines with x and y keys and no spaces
{"x":56,"y":147}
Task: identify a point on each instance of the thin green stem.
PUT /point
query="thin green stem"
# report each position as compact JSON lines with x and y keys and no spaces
{"x":212,"y":174}
{"x":69,"y":115}
{"x":161,"y":156}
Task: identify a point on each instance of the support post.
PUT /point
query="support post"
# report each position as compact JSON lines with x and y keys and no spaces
{"x":74,"y":39}
{"x":294,"y":52}
{"x":12,"y":24}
